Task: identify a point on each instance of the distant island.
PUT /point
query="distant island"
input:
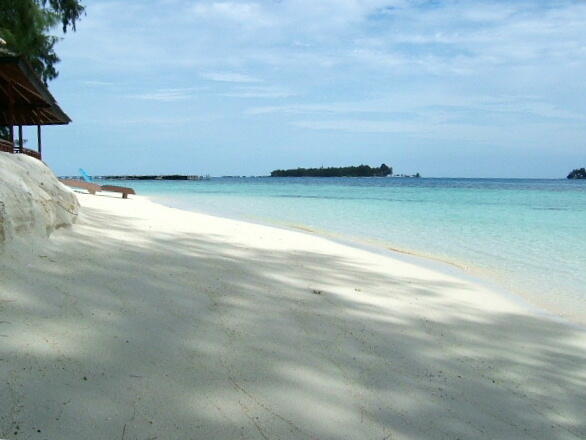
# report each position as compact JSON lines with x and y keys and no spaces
{"x":355,"y":171}
{"x":577,"y":174}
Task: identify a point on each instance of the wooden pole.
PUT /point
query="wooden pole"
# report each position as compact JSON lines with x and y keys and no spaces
{"x":11,"y":138}
{"x":20,"y":140}
{"x":39,"y":141}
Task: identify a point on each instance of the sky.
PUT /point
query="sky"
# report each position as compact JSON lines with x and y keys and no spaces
{"x":445,"y":88}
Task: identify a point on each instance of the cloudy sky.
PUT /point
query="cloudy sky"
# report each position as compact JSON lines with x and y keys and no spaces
{"x":447,"y":88}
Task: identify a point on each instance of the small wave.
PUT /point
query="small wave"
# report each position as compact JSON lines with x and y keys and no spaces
{"x":323,"y":197}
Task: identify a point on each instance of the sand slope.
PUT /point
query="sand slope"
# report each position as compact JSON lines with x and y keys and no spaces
{"x":144,"y":322}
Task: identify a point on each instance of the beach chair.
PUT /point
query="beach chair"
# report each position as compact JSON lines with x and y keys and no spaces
{"x":92,"y":188}
{"x":121,"y":189}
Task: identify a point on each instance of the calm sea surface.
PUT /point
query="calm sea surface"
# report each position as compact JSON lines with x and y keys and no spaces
{"x":528,"y":236}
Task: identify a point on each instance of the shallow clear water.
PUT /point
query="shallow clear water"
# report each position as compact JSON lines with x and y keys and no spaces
{"x":528,"y":236}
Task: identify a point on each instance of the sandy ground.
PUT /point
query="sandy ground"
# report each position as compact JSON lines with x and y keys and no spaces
{"x":145,"y":322}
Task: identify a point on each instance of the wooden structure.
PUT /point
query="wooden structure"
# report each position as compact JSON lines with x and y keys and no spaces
{"x":121,"y":189}
{"x":24,"y":101}
{"x":92,"y":188}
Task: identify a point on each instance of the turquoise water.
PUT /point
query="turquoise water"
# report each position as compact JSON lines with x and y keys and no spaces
{"x":528,"y":236}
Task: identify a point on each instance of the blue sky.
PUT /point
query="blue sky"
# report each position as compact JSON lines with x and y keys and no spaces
{"x":446,"y":88}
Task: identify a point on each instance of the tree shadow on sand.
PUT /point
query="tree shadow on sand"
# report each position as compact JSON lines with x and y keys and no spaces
{"x":183,"y":336}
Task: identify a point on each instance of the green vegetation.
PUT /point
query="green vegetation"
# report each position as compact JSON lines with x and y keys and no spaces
{"x":579,"y":173}
{"x":359,"y":171}
{"x":26,"y":25}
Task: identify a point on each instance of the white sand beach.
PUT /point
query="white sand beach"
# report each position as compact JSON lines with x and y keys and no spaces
{"x":146,"y":322}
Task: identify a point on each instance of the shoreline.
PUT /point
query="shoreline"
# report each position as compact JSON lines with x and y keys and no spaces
{"x":458,"y":269}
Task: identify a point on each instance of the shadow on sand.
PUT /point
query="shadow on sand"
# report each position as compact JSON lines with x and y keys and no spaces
{"x":183,"y":336}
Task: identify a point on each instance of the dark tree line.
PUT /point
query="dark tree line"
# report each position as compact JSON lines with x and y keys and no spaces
{"x":355,"y":171}
{"x":579,"y":173}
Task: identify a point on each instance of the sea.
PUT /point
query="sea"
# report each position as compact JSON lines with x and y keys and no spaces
{"x":526,"y":236}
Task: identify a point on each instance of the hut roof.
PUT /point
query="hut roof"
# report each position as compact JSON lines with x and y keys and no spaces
{"x":24,"y":99}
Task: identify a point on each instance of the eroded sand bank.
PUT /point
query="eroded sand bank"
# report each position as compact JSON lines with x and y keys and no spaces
{"x":146,"y":322}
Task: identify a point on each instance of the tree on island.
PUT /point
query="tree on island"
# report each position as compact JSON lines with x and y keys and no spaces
{"x":354,"y":171}
{"x":26,"y":26}
{"x":579,"y":173}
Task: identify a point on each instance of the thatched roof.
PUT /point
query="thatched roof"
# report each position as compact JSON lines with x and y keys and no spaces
{"x":24,"y":99}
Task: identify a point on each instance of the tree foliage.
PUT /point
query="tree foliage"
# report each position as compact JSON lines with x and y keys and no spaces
{"x":68,"y":11}
{"x":355,"y":171}
{"x":26,"y":26}
{"x":579,"y":173}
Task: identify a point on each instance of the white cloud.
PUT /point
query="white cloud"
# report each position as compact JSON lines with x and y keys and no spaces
{"x":230,"y":77}
{"x":259,"y":92}
{"x":93,"y":83}
{"x":529,"y":136}
{"x":361,"y":126}
{"x":167,"y":95}
{"x":159,"y":120}
{"x":431,"y":106}
{"x":245,"y":14}
{"x":333,"y":107}
{"x":400,"y":37}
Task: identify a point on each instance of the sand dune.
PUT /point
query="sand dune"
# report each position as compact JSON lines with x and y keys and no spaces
{"x":145,"y":322}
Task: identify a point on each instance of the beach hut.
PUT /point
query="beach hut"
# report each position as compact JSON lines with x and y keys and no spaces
{"x":24,"y":101}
